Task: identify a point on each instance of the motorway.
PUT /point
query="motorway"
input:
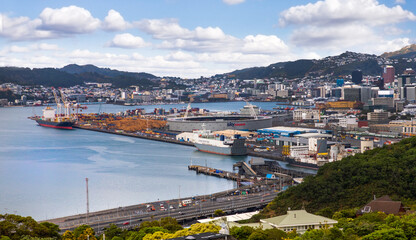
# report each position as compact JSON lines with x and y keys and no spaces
{"x":201,"y":207}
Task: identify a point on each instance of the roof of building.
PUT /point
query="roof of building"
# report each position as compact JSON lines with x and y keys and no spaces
{"x":298,"y":217}
{"x":204,"y":236}
{"x":231,"y":132}
{"x":314,"y":135}
{"x":383,"y":204}
{"x":231,"y":218}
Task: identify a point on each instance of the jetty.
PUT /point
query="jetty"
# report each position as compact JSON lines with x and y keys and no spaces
{"x":219,"y":173}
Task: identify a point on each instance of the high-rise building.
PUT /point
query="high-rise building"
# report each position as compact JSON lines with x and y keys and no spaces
{"x":357,"y":76}
{"x":351,"y":93}
{"x":408,"y":77}
{"x":388,"y":74}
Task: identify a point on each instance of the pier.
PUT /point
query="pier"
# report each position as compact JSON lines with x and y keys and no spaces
{"x":250,"y":152}
{"x":218,"y":173}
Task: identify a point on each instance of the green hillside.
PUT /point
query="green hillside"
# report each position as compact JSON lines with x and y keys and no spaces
{"x":74,"y":75}
{"x":302,"y":68}
{"x":353,"y":181}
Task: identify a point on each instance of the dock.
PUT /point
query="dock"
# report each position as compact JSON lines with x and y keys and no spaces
{"x":218,"y":173}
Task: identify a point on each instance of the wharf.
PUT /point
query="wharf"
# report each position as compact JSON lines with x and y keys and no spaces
{"x":218,"y":173}
{"x":143,"y":136}
{"x":273,"y":155}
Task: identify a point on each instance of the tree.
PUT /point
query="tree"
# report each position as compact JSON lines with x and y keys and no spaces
{"x":112,"y":231}
{"x":16,"y":227}
{"x":84,"y":232}
{"x":275,"y":234}
{"x":219,"y":213}
{"x":386,"y":234}
{"x":241,"y":233}
{"x":258,"y":235}
{"x":68,"y":235}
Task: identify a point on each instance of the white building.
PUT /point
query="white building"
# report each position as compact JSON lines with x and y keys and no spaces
{"x":299,"y":220}
{"x":306,"y":114}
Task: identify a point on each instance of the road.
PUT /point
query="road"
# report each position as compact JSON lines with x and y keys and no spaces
{"x":201,"y":207}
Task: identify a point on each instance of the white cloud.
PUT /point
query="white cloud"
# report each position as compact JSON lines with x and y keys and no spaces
{"x":70,"y":19}
{"x":209,"y":33}
{"x":179,"y":56}
{"x":233,"y":2}
{"x":333,"y":12}
{"x":352,"y":37}
{"x":163,"y":28}
{"x":127,"y":40}
{"x":264,"y":44}
{"x":22,"y":28}
{"x":400,"y":1}
{"x":18,"y":49}
{"x":45,"y":47}
{"x":209,"y":39}
{"x":115,"y":22}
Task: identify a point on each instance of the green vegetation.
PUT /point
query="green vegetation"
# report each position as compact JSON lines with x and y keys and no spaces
{"x":60,"y":78}
{"x":370,"y":226}
{"x":9,"y":95}
{"x":353,"y":181}
{"x":165,"y":228}
{"x":15,"y":227}
{"x":219,"y":212}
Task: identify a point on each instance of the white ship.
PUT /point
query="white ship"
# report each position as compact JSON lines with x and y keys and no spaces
{"x":207,"y":142}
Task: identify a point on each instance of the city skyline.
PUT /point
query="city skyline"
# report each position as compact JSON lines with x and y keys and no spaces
{"x":197,"y":38}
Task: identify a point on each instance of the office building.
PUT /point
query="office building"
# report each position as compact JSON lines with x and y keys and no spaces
{"x":357,"y":76}
{"x":388,"y":74}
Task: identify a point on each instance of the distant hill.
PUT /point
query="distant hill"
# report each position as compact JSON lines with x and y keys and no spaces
{"x":353,"y":181}
{"x":89,"y":68}
{"x":406,"y":52}
{"x":342,"y":64}
{"x":72,"y":75}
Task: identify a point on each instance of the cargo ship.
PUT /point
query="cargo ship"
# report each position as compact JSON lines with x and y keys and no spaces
{"x":229,"y":147}
{"x":50,"y":119}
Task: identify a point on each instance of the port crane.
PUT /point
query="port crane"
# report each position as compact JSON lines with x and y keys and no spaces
{"x":58,"y":105}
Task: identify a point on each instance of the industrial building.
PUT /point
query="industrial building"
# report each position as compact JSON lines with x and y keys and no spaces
{"x":218,"y":123}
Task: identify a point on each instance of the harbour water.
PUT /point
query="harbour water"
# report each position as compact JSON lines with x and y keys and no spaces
{"x":43,"y":170}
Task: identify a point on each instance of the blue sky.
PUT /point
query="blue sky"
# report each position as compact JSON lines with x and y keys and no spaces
{"x":192,"y":38}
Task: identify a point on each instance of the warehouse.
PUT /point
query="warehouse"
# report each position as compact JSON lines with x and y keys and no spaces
{"x":218,"y":123}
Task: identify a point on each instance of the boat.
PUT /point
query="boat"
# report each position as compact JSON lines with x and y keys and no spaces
{"x":56,"y":120}
{"x":228,"y":147}
{"x":50,"y":119}
{"x":205,"y":141}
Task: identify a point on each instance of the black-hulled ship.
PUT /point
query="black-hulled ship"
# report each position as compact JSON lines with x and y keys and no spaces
{"x":52,"y":120}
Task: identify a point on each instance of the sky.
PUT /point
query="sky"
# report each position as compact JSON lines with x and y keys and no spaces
{"x":193,"y":38}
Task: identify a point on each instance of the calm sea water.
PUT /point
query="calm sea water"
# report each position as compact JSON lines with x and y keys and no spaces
{"x":43,"y":170}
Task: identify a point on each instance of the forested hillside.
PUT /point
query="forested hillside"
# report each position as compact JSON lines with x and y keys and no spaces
{"x":353,"y":181}
{"x":72,"y":75}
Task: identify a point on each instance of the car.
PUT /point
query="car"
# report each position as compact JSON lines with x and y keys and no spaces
{"x":126,"y":223}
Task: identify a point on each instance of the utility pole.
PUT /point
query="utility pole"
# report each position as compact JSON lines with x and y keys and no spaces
{"x":179,"y":200}
{"x":88,"y":203}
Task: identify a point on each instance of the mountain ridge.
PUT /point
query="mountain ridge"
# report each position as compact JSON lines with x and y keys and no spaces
{"x":407,"y":51}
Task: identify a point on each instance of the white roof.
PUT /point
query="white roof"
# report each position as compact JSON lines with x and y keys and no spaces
{"x":231,"y":218}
